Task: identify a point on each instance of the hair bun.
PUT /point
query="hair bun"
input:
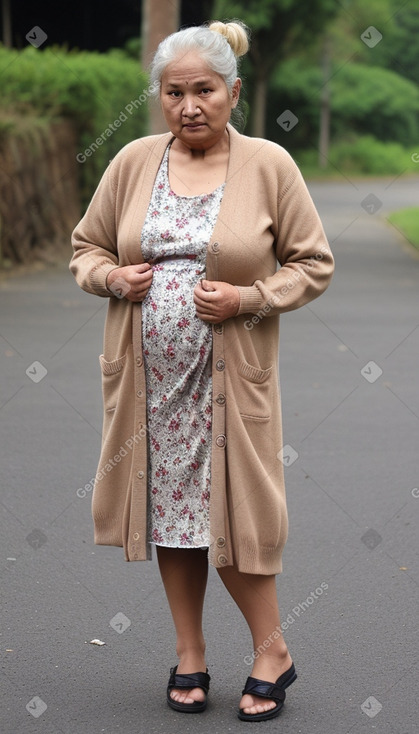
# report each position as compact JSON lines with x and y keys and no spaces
{"x":236,"y":33}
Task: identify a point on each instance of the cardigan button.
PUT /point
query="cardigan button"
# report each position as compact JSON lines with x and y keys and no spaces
{"x":218,"y":328}
{"x":222,"y":560}
{"x":220,"y":364}
{"x":139,"y":393}
{"x":221,"y":542}
{"x":139,"y":361}
{"x":215,"y":247}
{"x":220,"y":399}
{"x":221,"y":441}
{"x":140,"y":475}
{"x":136,"y":536}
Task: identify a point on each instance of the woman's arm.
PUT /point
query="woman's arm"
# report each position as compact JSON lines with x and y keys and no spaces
{"x":303,"y":252}
{"x":94,"y":240}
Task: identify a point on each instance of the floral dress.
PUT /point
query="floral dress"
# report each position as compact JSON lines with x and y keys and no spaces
{"x":177,"y":348}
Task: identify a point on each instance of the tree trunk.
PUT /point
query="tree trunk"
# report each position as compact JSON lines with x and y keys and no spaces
{"x":259,"y":106}
{"x":7,"y":23}
{"x":159,"y":19}
{"x":324,"y":131}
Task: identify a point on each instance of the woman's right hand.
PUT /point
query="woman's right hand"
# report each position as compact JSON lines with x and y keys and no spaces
{"x":131,"y":282}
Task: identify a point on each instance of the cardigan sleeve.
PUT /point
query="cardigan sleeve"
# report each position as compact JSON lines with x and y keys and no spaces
{"x":302,"y":251}
{"x":94,"y":240}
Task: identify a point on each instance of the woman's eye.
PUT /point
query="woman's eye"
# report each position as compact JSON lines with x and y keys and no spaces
{"x":174,"y":93}
{"x":205,"y":91}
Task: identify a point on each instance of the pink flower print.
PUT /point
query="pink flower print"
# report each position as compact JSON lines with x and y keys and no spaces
{"x":170,"y":351}
{"x":195,"y":465}
{"x":177,"y":495}
{"x":157,"y":374}
{"x":160,"y":511}
{"x":152,"y":332}
{"x":172,"y":285}
{"x":161,"y":472}
{"x":153,"y":305}
{"x":154,"y":490}
{"x":183,"y":322}
{"x":157,"y":537}
{"x":174,"y":424}
{"x":155,"y":443}
{"x":184,"y":538}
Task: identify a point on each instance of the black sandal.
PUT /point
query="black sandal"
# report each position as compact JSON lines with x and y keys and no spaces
{"x":273,"y":691}
{"x":191,"y":680}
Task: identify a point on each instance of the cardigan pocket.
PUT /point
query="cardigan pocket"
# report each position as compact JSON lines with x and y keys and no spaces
{"x":111,"y":381}
{"x":254,"y":396}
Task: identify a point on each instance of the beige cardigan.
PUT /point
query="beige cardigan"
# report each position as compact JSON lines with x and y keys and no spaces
{"x":266,"y":217}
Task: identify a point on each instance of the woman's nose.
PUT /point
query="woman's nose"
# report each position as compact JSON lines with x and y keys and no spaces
{"x":190,"y":107}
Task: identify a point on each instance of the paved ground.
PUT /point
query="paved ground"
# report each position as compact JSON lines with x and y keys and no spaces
{"x":349,"y":591}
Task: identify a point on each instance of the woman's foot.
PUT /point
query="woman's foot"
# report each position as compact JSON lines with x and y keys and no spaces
{"x":267,"y":668}
{"x":189,"y":663}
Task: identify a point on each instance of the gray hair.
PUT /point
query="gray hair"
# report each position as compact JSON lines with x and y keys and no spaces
{"x":218,"y":44}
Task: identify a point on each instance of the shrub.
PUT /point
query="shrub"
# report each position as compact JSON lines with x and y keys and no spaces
{"x":365,"y":100}
{"x":364,"y":155}
{"x":91,"y":89}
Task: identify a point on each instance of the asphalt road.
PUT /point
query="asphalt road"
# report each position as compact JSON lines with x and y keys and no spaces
{"x":349,"y":590}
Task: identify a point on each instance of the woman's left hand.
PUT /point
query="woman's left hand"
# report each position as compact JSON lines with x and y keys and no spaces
{"x":216,"y":300}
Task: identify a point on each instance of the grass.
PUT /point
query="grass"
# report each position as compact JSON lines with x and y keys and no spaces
{"x":407,"y":222}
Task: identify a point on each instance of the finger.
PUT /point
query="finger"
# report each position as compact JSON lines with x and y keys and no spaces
{"x":207,"y":285}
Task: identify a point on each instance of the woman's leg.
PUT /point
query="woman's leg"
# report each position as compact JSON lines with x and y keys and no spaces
{"x":184,"y":574}
{"x":257,"y":599}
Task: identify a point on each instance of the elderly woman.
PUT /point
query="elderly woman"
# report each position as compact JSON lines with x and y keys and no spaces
{"x":200,"y":238}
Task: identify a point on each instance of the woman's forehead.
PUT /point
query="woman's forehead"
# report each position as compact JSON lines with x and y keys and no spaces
{"x":188,"y":69}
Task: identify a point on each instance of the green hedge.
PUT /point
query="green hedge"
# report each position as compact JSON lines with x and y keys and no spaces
{"x":105,"y":95}
{"x":363,"y":155}
{"x":364,"y":100}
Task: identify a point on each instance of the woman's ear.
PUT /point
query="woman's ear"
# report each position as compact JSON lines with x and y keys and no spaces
{"x":235,"y":92}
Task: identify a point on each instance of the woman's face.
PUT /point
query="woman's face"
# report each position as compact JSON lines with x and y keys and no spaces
{"x":195,"y":101}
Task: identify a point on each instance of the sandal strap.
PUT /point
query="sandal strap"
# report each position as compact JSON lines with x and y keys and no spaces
{"x":264,"y":689}
{"x":190,"y":680}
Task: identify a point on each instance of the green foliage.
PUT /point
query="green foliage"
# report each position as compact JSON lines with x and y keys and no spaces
{"x":364,"y":100}
{"x":363,"y":155}
{"x":91,"y":89}
{"x":279,"y":28}
{"x":375,"y":100}
{"x":399,"y":49}
{"x":407,"y":222}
